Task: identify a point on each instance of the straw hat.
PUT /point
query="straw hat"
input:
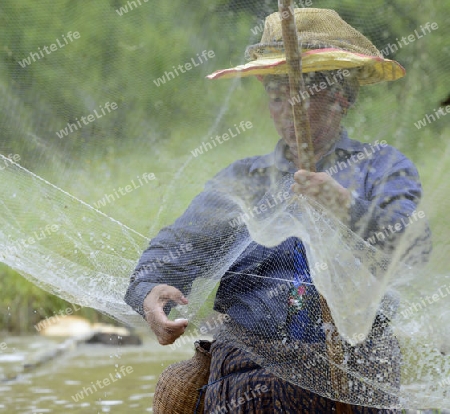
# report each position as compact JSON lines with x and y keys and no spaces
{"x":327,"y":42}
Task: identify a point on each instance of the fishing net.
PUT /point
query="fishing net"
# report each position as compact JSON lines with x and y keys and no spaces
{"x":114,"y":142}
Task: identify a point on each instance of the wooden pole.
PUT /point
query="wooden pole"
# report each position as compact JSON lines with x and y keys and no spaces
{"x":306,"y":161}
{"x":296,"y":85}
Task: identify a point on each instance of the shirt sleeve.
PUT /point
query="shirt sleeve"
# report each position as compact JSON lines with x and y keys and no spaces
{"x":202,"y":237}
{"x":392,"y":193}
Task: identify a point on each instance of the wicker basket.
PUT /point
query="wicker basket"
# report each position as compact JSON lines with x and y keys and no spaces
{"x":177,"y":390}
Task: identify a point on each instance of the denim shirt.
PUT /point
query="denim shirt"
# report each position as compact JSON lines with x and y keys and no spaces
{"x":385,"y":189}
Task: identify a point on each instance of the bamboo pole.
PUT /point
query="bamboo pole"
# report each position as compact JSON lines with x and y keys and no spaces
{"x":296,"y":84}
{"x":306,"y":162}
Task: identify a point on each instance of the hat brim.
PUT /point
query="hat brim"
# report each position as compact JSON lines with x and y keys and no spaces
{"x":376,"y":69}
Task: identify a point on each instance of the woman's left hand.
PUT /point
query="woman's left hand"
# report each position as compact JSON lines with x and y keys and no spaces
{"x":322,"y":188}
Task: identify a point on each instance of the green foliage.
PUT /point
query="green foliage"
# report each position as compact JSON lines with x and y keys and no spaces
{"x":23,"y":304}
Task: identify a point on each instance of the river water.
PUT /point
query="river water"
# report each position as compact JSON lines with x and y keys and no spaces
{"x":68,"y":383}
{"x":83,"y":379}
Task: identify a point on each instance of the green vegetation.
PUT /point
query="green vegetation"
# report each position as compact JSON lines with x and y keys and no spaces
{"x":23,"y":304}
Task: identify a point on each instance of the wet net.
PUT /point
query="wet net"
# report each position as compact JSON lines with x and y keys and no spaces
{"x":124,"y":167}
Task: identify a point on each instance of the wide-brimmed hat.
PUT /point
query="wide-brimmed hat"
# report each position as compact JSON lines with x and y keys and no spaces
{"x":327,"y":43}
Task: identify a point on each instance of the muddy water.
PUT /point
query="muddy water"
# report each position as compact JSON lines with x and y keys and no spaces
{"x":83,"y":379}
{"x":68,"y":383}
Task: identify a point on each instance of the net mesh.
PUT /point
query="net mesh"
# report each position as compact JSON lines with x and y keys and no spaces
{"x":113,"y":142}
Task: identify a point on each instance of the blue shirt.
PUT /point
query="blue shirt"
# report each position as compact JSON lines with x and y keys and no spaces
{"x":303,"y":323}
{"x":386,"y":189}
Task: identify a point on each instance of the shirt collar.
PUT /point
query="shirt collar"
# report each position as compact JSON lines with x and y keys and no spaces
{"x":277,"y":158}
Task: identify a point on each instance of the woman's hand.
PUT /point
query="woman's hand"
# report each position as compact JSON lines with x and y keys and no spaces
{"x":166,"y":331}
{"x":322,"y":188}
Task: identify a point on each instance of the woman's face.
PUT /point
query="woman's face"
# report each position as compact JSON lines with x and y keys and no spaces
{"x":324,"y":110}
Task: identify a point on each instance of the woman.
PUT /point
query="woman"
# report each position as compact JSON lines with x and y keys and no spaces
{"x":367,"y":187}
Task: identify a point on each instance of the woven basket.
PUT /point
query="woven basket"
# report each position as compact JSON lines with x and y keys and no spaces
{"x":177,"y":390}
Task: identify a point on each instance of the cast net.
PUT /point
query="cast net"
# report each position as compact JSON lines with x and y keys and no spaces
{"x":112,"y":139}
